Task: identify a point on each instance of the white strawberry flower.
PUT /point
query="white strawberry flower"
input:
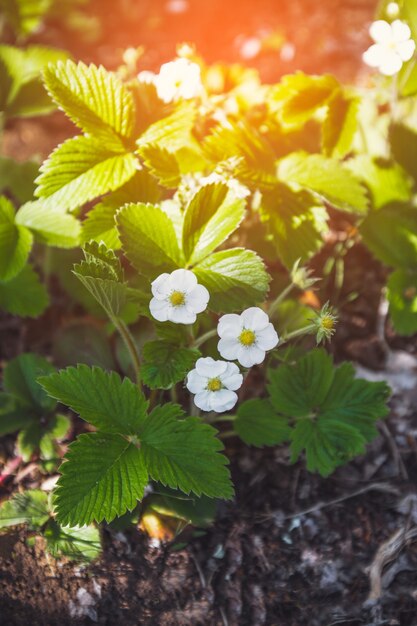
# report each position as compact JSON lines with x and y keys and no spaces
{"x":179,"y":79}
{"x":246,"y":337}
{"x":178,"y":297}
{"x":147,"y":77}
{"x":393,"y":46}
{"x":214,"y":384}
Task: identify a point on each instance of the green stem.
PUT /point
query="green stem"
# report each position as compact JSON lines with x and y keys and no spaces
{"x":2,"y":127}
{"x":273,"y":307}
{"x":306,"y":330}
{"x":221,"y":418}
{"x":174,"y":394}
{"x":153,"y":397}
{"x":394,"y":97}
{"x":130,"y":345}
{"x":208,"y":335}
{"x":227,"y":434}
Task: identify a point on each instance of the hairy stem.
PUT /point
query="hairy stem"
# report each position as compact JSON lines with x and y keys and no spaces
{"x":153,"y":398}
{"x":221,"y":418}
{"x":306,"y":330}
{"x":130,"y":345}
{"x":227,"y":434}
{"x":274,"y":305}
{"x":208,"y":335}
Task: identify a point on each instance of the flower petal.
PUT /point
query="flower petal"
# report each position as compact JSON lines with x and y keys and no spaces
{"x":161,"y":286}
{"x":197,"y":298}
{"x":381,"y":31}
{"x":229,"y":325}
{"x":208,"y":367}
{"x":400,"y":31}
{"x":232,"y":378}
{"x":251,"y":355}
{"x":159,"y":309}
{"x":203,"y":400}
{"x":223,"y":400}
{"x":228,"y":348}
{"x":406,"y":49}
{"x":372,"y":56}
{"x":391,"y":64}
{"x":183,"y":280}
{"x":181,"y":315}
{"x":254,"y":318}
{"x":267,"y":338}
{"x":196,"y":383}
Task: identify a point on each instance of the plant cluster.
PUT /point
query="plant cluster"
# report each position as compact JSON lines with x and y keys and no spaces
{"x":185,"y":212}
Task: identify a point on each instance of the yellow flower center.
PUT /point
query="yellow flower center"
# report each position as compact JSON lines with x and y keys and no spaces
{"x":247,"y":337}
{"x":177,"y":298}
{"x":327,"y":322}
{"x":214,"y":384}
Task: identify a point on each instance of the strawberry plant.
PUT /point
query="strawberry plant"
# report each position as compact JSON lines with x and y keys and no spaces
{"x":183,"y":218}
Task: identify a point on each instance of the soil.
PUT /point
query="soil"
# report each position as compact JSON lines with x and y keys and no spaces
{"x":293,"y":549}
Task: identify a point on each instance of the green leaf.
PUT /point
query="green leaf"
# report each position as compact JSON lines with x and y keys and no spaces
{"x":340,"y":124}
{"x":258,"y":424}
{"x":15,"y":242}
{"x":304,"y":95}
{"x":31,"y":100}
{"x":111,"y":295}
{"x":13,"y":416}
{"x":158,"y":250}
{"x":403,"y":142}
{"x":80,"y":170}
{"x":334,"y":412}
{"x":50,"y":227}
{"x":296,"y":221}
{"x":83,"y":342}
{"x":326,"y":177}
{"x":24,"y":295}
{"x":101,"y":273}
{"x":211,"y":216}
{"x":402,"y":298}
{"x":101,"y":398}
{"x":235,"y":279}
{"x":164,"y":364}
{"x":407,"y":79}
{"x":409,"y":12}
{"x":28,"y":441}
{"x":200,"y":511}
{"x":22,"y":93}
{"x":107,"y":264}
{"x":356,"y":402}
{"x":296,"y":389}
{"x":102,"y":477}
{"x":390,"y":234}
{"x":18,"y":178}
{"x":94,"y":99}
{"x":78,"y":544}
{"x":184,"y":454}
{"x":29,"y":507}
{"x":240,"y":140}
{"x":162,"y":164}
{"x":25,"y":16}
{"x":172,"y":132}
{"x":100,"y":223}
{"x":386,"y":180}
{"x":327,"y":443}
{"x":20,"y":380}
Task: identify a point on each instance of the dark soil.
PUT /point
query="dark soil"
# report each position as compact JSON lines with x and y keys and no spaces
{"x":292,"y":549}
